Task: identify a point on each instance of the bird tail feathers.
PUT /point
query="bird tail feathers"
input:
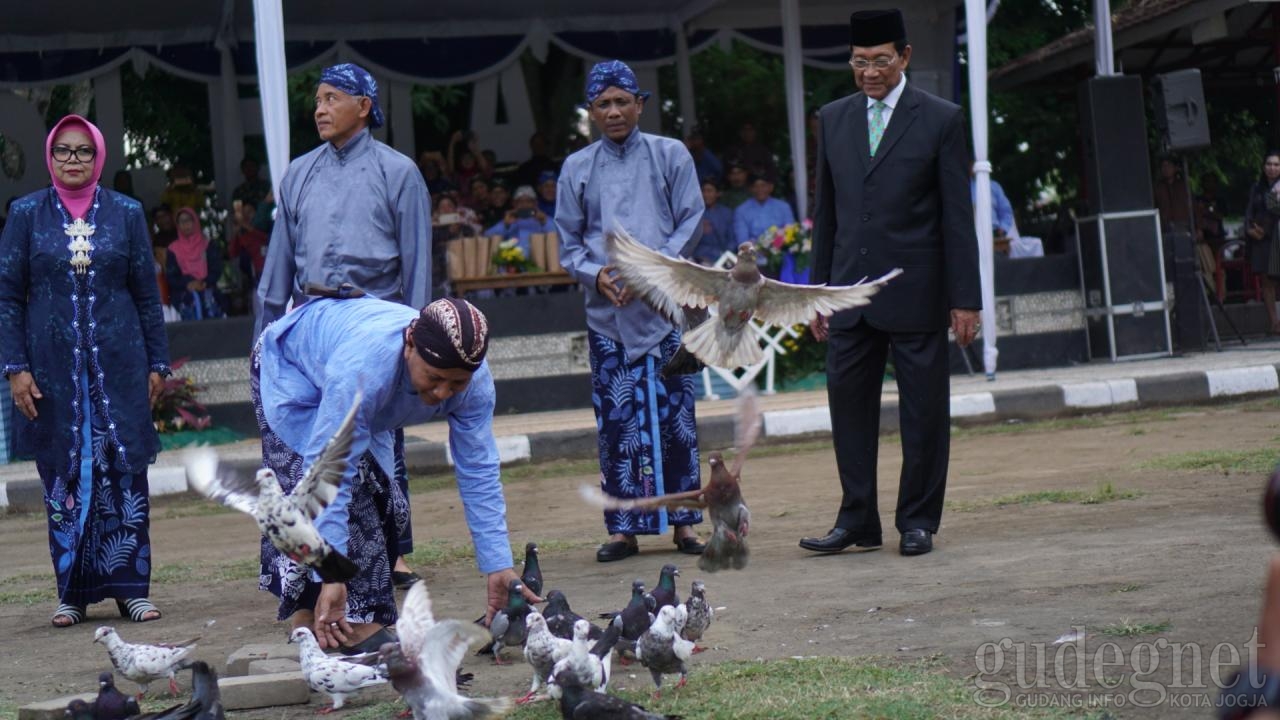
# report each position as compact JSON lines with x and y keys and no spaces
{"x":717,"y":345}
{"x":480,"y":708}
{"x":336,"y":568}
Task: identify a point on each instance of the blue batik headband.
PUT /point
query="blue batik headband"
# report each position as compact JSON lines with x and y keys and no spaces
{"x":611,"y":73}
{"x":356,"y":81}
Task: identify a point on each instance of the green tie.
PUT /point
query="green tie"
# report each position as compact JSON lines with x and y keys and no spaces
{"x":877,"y":124}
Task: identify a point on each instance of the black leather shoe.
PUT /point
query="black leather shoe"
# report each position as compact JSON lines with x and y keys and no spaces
{"x":617,"y":550}
{"x":839,"y":539}
{"x":690,"y":545}
{"x":916,"y":542}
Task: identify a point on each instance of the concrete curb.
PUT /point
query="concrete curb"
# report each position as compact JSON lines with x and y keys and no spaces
{"x":1037,"y":403}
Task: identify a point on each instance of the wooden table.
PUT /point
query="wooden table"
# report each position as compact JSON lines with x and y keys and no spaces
{"x":462,"y":286}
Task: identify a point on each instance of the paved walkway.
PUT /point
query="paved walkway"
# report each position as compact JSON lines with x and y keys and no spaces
{"x":1195,"y":377}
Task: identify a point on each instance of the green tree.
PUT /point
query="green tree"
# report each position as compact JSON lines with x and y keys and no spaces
{"x":167,"y":121}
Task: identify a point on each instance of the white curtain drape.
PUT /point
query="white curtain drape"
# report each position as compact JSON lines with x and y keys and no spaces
{"x":273,"y":86}
{"x":976,"y":25}
{"x":793,"y":71}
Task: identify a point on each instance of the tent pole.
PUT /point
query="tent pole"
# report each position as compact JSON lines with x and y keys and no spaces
{"x":273,"y":86}
{"x":109,"y":99}
{"x":1104,"y":51}
{"x":684,"y":78}
{"x":793,"y":71}
{"x":232,"y":132}
{"x":976,"y":28}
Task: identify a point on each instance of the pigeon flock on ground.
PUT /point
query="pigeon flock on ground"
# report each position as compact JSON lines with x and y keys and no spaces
{"x":569,"y":655}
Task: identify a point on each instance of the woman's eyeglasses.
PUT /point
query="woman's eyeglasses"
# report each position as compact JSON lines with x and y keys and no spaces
{"x":84,"y":153}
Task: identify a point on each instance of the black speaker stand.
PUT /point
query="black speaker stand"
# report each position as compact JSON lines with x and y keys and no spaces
{"x":1210,"y":299}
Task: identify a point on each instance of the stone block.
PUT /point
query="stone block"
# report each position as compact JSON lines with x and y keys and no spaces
{"x":238,"y":662}
{"x":259,"y":691}
{"x":52,"y":709}
{"x":273,"y":666}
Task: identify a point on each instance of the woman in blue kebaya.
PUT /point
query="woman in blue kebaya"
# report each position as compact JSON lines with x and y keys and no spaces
{"x":83,"y":346}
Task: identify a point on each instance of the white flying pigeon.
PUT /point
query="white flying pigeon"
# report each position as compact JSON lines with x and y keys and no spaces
{"x":423,"y":666}
{"x":286,"y":520}
{"x":662,"y":650}
{"x":336,"y":677}
{"x":724,"y":340}
{"x":542,"y":650}
{"x":145,"y":664}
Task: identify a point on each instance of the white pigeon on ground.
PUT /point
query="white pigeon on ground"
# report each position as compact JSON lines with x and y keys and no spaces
{"x":423,"y":666}
{"x":286,"y":520}
{"x":588,"y":669}
{"x":724,"y":340}
{"x":662,"y":650}
{"x":336,"y":676}
{"x":542,"y":650}
{"x":145,"y":664}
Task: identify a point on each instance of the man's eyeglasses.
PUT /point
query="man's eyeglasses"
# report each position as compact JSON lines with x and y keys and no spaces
{"x":880,"y":63}
{"x":84,"y":153}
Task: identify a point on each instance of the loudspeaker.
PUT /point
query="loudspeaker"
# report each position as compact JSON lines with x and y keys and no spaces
{"x":1179,"y":110}
{"x":1114,"y":129}
{"x":1122,"y":273}
{"x":1188,"y":303}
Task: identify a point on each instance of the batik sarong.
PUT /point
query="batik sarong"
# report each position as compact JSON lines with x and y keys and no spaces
{"x":634,"y":406}
{"x":378,"y":516}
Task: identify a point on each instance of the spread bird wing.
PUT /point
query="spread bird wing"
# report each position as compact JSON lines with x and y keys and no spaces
{"x":447,"y":642}
{"x":320,"y":485}
{"x":415,"y":620}
{"x":595,"y":496}
{"x":785,"y":304}
{"x":227,"y":487}
{"x":748,"y":427}
{"x":669,"y":284}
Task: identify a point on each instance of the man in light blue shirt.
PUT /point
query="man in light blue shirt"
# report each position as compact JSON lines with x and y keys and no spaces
{"x":408,"y":367}
{"x":646,"y":185}
{"x":762,"y":211}
{"x":1001,"y":208}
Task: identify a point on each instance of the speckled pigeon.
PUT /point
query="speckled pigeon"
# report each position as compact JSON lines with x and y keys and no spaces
{"x":145,"y":664}
{"x":542,"y":651}
{"x":337,"y":677}
{"x":286,"y":520}
{"x":662,"y":650}
{"x":698,"y":615}
{"x":669,"y":284}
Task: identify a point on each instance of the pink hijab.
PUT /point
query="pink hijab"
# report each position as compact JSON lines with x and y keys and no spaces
{"x":189,"y":250}
{"x":77,"y":200}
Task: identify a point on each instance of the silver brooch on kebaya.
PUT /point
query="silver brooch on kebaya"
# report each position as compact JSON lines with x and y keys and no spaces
{"x":80,"y":247}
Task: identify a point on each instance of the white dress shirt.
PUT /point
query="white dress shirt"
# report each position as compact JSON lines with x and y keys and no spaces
{"x":891,"y":100}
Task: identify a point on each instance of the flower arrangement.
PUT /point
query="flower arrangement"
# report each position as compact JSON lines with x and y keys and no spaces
{"x":177,"y":408}
{"x":510,"y":258}
{"x":786,"y":249}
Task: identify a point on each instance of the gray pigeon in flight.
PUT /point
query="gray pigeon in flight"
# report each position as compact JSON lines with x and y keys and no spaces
{"x":739,"y":294}
{"x":423,"y":666}
{"x":286,"y":520}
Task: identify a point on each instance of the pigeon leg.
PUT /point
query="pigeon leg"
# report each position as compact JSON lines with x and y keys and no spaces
{"x":698,"y":648}
{"x":173,"y":686}
{"x":325,"y":710}
{"x":683,"y":679}
{"x":407,"y":712}
{"x":527,"y":697}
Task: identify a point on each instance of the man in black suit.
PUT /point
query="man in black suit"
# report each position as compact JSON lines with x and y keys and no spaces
{"x":893,"y":191}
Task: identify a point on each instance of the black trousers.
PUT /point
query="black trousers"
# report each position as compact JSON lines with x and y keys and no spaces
{"x":855,"y":376}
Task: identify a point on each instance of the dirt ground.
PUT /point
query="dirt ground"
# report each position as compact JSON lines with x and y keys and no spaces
{"x":1189,"y":550}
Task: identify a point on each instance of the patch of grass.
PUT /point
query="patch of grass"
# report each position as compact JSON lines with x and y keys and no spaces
{"x":1253,"y":462}
{"x":33,"y":596}
{"x":1131,"y":628}
{"x":172,"y":574}
{"x":1106,"y":492}
{"x":1138,"y":431}
{"x":190,"y":438}
{"x":796,"y":689}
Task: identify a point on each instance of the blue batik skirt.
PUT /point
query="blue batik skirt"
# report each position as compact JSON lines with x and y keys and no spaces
{"x":634,"y":406}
